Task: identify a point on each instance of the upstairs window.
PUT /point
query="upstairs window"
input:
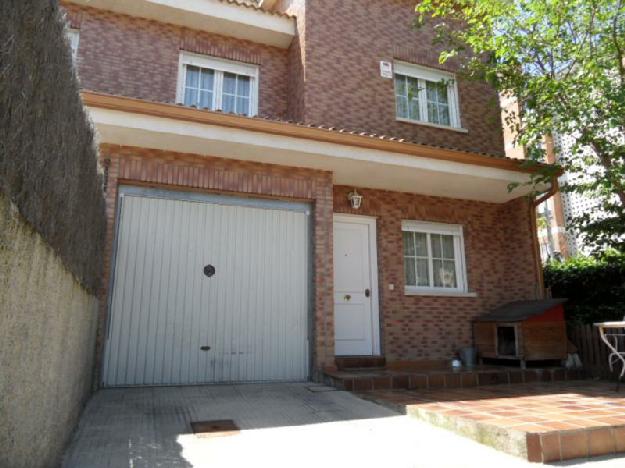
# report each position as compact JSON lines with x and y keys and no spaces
{"x":216,"y":84}
{"x":73,"y":36}
{"x":433,"y":257}
{"x":426,"y":96}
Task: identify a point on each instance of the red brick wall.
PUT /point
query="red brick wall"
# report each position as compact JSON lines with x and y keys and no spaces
{"x":497,"y":238}
{"x":297,"y":60}
{"x":132,"y":165}
{"x":329,"y":75}
{"x":135,"y":57}
{"x":344,"y":42}
{"x":499,"y":267}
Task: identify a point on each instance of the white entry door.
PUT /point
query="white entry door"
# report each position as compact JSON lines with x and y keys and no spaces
{"x":356,"y":314}
{"x":208,"y":289}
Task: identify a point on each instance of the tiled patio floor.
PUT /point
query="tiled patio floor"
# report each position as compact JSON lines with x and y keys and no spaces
{"x":542,"y":422}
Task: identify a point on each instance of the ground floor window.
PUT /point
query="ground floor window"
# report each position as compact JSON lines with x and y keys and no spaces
{"x":434,"y":258}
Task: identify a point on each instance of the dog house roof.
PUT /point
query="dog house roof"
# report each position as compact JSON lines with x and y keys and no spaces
{"x":520,"y":310}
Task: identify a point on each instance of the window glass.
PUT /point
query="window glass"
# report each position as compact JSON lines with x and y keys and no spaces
{"x":410,"y":272}
{"x":193,"y":77}
{"x":211,"y":88}
{"x":199,"y":87}
{"x":409,"y":244}
{"x":207,"y":83}
{"x":424,"y":98}
{"x":243,"y":86}
{"x":416,"y":258}
{"x":448,"y":247}
{"x":74,"y":37}
{"x":236,"y":92}
{"x":401,"y":100}
{"x":407,"y":97}
{"x":402,"y":107}
{"x":190,"y":96}
{"x":206,"y":100}
{"x":430,"y":260}
{"x":228,"y":102}
{"x":438,"y":106}
{"x":230,"y":83}
{"x":423,"y":272}
{"x":208,"y":79}
{"x":192,"y":86}
{"x":444,"y":274}
{"x":444,"y":266}
{"x":414,"y":112}
{"x":437,"y":250}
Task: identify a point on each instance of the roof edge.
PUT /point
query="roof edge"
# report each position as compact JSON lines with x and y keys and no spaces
{"x":298,"y":130}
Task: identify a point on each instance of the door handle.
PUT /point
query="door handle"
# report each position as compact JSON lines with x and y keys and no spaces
{"x":367,"y":292}
{"x":347,"y":297}
{"x":209,"y":270}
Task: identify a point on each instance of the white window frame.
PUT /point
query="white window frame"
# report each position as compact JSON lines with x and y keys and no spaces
{"x":454,"y":230}
{"x":424,"y":74}
{"x":73,"y":36}
{"x":220,"y":66}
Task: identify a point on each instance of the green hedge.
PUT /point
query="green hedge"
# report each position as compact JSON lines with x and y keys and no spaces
{"x":595,"y":287}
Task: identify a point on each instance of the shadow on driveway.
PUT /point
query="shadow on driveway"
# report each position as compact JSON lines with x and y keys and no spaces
{"x":282,"y":425}
{"x":150,"y":427}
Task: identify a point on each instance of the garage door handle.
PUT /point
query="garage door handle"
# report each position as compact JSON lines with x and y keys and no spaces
{"x":209,"y":270}
{"x":205,"y":348}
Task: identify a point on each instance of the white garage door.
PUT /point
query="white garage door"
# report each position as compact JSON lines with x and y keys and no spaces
{"x":208,"y":289}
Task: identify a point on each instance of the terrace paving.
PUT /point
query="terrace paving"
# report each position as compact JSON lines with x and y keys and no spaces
{"x":539,"y":421}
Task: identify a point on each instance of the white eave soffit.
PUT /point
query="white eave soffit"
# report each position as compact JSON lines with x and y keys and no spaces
{"x":215,"y":16}
{"x":358,"y":167}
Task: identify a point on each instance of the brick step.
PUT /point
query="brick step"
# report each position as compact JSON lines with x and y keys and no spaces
{"x":363,"y":380}
{"x":360,"y":362}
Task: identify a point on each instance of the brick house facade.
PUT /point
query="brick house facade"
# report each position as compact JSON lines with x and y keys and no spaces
{"x":433,"y":328}
{"x":328,"y":126}
{"x":343,"y":42}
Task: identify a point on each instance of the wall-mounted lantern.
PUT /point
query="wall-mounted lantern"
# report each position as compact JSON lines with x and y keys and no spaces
{"x":355,"y":199}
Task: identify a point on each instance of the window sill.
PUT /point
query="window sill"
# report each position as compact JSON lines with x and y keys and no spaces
{"x":436,"y":292}
{"x":427,"y":124}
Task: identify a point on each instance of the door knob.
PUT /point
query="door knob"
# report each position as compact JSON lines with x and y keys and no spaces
{"x":367,"y":292}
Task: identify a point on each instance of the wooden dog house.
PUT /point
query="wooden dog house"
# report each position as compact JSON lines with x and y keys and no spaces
{"x":523,"y":331}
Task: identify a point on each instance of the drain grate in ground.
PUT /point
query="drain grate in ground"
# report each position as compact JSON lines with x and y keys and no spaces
{"x":215,"y":428}
{"x":320,"y":388}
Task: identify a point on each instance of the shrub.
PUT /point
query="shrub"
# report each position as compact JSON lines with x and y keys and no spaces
{"x":595,"y":286}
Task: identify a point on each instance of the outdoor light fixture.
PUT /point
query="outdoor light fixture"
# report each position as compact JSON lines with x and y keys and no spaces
{"x":355,"y":199}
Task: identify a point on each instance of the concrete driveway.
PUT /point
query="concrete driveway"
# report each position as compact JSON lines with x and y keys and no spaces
{"x":282,"y":425}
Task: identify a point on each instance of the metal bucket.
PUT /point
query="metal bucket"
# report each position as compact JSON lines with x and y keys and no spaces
{"x":468,"y":356}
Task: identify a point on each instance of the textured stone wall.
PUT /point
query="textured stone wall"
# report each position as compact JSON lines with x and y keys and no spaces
{"x":47,"y":335}
{"x":52,"y":229}
{"x":499,"y":258}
